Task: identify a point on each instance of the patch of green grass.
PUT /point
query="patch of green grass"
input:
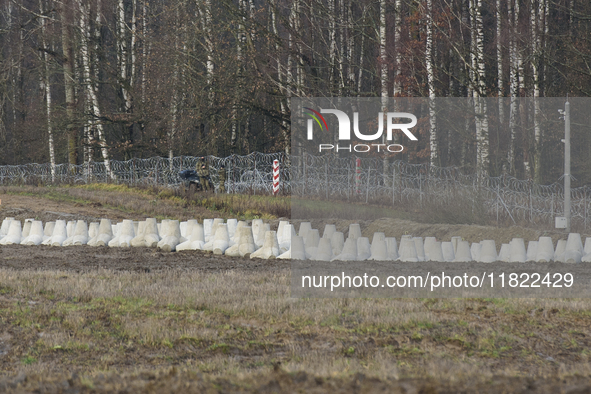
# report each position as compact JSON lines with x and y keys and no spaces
{"x":118,"y":188}
{"x":243,"y":206}
{"x":219,"y":347}
{"x":49,"y":294}
{"x":87,"y":382}
{"x":405,"y":351}
{"x":124,"y":305}
{"x":349,"y":351}
{"x":28,"y":360}
{"x":6,"y":290}
{"x":417,"y":336}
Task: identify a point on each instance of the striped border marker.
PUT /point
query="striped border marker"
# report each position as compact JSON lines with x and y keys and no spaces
{"x":275,"y":177}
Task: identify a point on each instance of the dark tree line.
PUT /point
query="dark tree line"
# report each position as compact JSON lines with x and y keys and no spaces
{"x":114,"y":79}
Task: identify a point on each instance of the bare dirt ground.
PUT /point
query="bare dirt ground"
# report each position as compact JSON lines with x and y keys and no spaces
{"x":102,"y":320}
{"x":85,"y":258}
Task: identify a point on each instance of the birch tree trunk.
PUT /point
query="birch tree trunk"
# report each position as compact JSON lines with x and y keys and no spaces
{"x":240,"y":44}
{"x":383,"y":77}
{"x":298,"y":47}
{"x":68,"y":65}
{"x":340,"y":11}
{"x":174,"y":101}
{"x":127,"y":58}
{"x":500,"y":85}
{"x":350,"y":47}
{"x":47,"y":88}
{"x":144,"y":52}
{"x":90,"y":85}
{"x":282,"y":104}
{"x":332,"y":53}
{"x":206,"y":22}
{"x":536,"y":32}
{"x":397,"y":90}
{"x":18,"y":96}
{"x":10,"y":57}
{"x":361,"y":55}
{"x":383,"y":58}
{"x":480,"y":107}
{"x":433,"y":145}
{"x":122,"y":55}
{"x":514,"y":86}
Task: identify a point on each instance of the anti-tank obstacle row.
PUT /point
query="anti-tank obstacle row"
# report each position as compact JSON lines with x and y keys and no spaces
{"x":238,"y":238}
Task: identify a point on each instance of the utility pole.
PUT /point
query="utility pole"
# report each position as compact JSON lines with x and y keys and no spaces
{"x":566,"y":141}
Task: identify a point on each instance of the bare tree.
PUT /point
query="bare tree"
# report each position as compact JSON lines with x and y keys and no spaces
{"x":90,"y":84}
{"x":480,"y":107}
{"x":433,"y":145}
{"x":500,"y":85}
{"x":537,"y":21}
{"x":397,"y":91}
{"x":69,"y":82}
{"x":514,"y":72}
{"x":47,"y":87}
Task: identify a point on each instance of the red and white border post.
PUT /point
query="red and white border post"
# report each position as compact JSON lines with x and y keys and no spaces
{"x":275,"y":177}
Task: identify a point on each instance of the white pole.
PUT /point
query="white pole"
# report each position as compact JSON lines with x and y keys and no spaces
{"x":567,"y":164}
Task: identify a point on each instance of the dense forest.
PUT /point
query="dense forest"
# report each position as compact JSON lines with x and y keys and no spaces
{"x":115,"y":79}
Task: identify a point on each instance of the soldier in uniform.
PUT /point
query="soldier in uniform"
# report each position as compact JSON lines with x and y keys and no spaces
{"x":222,"y":174}
{"x":203,"y":172}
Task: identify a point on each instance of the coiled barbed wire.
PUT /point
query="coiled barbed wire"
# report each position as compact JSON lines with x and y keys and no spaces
{"x":505,"y":197}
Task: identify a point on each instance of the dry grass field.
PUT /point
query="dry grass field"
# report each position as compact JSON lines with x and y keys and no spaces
{"x":104,"y":320}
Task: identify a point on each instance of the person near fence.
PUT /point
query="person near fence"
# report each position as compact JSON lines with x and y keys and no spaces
{"x":222,"y":174}
{"x":203,"y":172}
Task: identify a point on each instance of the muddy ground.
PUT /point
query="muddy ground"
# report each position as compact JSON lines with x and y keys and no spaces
{"x":86,"y":258}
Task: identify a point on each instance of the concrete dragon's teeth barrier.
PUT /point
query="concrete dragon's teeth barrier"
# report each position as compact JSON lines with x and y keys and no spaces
{"x":257,"y":240}
{"x":13,"y":235}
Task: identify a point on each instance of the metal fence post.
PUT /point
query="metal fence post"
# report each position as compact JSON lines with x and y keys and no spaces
{"x":304,"y":170}
{"x":367,"y":192}
{"x":326,"y":177}
{"x":393,"y":184}
{"x":357,"y":177}
{"x":552,"y":210}
{"x":530,"y":205}
{"x":421,"y":188}
{"x":254,"y":177}
{"x":427,"y":191}
{"x":585,"y":209}
{"x":348,"y":182}
{"x":232,"y":175}
{"x":156,"y":173}
{"x":498,"y":202}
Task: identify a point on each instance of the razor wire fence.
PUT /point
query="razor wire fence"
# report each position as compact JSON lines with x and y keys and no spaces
{"x":503,"y":198}
{"x":249,"y":173}
{"x":332,"y":178}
